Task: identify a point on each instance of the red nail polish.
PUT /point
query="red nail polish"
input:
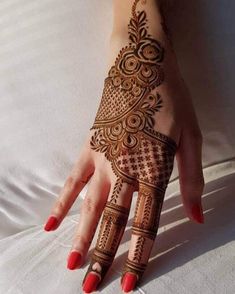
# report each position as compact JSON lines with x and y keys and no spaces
{"x":91,"y":282}
{"x":75,"y":260}
{"x":198,"y":213}
{"x":51,"y":223}
{"x":128,"y":282}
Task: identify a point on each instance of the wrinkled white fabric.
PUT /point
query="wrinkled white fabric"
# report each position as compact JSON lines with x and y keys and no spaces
{"x":52,"y":67}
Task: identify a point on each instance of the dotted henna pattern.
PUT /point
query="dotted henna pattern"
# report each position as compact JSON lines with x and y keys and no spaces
{"x":124,"y":132}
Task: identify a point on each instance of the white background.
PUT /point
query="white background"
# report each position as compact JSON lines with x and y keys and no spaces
{"x":52,"y":67}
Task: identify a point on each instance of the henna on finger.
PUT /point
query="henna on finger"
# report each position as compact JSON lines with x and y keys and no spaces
{"x":111,"y":230}
{"x":144,"y":229}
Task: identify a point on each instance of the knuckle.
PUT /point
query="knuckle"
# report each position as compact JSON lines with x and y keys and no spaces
{"x":90,"y":206}
{"x":81,"y":239}
{"x":71,"y":183}
{"x":59,"y":207}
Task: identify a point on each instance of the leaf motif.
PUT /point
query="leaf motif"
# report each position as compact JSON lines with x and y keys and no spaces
{"x":116,"y":190}
{"x":145,"y":105}
{"x":143,"y":24}
{"x":150,"y":111}
{"x":159,"y":101}
{"x":158,"y":105}
{"x":157,"y":108}
{"x":94,"y":141}
{"x":133,"y":23}
{"x":147,"y":209}
{"x":105,"y":233}
{"x":103,"y":148}
{"x":150,"y":121}
{"x":143,"y":33}
{"x":141,"y":16}
{"x":132,"y":30}
{"x":139,"y":249}
{"x":133,"y":38}
{"x":102,"y":142}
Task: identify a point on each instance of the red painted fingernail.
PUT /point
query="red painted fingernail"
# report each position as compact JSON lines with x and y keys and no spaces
{"x":51,"y":223}
{"x":74,"y":261}
{"x":91,"y":282}
{"x":198,"y":213}
{"x":128,"y":282}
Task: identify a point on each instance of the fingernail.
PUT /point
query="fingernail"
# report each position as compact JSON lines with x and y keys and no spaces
{"x":51,"y":223}
{"x":75,"y":260}
{"x":128,"y":282}
{"x":91,"y":282}
{"x":198,"y":213}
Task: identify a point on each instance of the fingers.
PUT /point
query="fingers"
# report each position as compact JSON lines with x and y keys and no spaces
{"x":91,"y":211}
{"x":110,"y":233}
{"x":79,"y":176}
{"x":144,"y":230}
{"x":190,"y":173}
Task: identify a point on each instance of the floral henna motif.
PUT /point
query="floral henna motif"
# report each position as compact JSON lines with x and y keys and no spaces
{"x":123,"y":135}
{"x":125,"y":120}
{"x":124,"y":132}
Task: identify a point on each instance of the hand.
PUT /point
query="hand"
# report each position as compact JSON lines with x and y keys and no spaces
{"x":145,"y":118}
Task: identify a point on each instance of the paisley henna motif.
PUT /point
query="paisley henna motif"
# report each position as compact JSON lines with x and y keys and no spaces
{"x":124,"y":132}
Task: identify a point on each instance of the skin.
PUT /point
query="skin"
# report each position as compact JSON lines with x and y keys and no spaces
{"x":176,"y":120}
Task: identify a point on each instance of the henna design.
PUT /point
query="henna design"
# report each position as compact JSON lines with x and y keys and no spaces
{"x":116,"y":190}
{"x":124,"y":123}
{"x":148,"y":210}
{"x":112,"y":227}
{"x":136,"y":268}
{"x":145,"y":225}
{"x":139,"y":249}
{"x":124,"y":132}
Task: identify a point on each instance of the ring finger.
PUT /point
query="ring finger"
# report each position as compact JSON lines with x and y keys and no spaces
{"x":81,"y":173}
{"x":144,"y":230}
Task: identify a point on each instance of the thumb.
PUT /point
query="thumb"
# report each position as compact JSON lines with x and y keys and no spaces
{"x":190,"y":173}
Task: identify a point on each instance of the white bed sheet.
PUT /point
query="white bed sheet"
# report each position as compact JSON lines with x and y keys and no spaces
{"x":52,"y":66}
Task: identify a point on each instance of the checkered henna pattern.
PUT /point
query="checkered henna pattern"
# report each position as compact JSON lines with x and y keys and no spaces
{"x":124,"y":132}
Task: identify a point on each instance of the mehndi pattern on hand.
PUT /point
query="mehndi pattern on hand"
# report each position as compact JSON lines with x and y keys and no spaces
{"x":124,"y":132}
